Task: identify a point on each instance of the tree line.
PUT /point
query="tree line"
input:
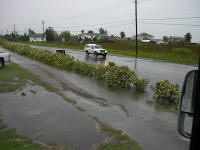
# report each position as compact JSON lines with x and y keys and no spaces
{"x":52,"y":35}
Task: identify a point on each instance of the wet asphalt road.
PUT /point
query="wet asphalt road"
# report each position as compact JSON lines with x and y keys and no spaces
{"x":151,"y":69}
{"x":153,"y":128}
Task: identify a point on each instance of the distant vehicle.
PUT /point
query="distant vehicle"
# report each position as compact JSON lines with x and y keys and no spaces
{"x":95,"y":50}
{"x":4,"y":58}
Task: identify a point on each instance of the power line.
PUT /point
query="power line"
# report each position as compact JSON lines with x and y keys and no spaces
{"x":192,"y":25}
{"x":108,"y":23}
{"x":138,"y":19}
{"x":183,"y":18}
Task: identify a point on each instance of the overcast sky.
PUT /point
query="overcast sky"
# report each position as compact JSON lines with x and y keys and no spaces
{"x":113,"y":15}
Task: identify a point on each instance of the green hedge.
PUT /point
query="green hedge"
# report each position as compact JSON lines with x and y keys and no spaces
{"x":113,"y":76}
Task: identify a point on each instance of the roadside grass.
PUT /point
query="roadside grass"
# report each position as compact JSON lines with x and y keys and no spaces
{"x":116,"y":140}
{"x":13,"y":77}
{"x":10,"y":140}
{"x":182,"y":54}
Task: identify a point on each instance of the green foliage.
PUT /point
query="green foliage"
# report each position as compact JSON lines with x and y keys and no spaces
{"x":183,"y":51}
{"x":87,"y":40}
{"x":50,"y":34}
{"x":165,"y":38}
{"x":102,"y":31}
{"x":66,"y":35}
{"x":122,"y":34}
{"x":114,"y":76}
{"x":100,"y":72}
{"x":119,"y":77}
{"x":90,"y":31}
{"x":141,"y":84}
{"x":30,"y":31}
{"x":74,"y":39}
{"x":23,"y":38}
{"x":188,"y":37}
{"x":112,"y":64}
{"x":166,"y":91}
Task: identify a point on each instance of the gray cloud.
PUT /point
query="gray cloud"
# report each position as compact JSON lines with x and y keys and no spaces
{"x":75,"y":15}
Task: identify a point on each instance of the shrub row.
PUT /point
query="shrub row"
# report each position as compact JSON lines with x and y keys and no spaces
{"x":113,"y":76}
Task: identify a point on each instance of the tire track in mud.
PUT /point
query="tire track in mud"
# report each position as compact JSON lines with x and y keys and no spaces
{"x":66,"y":85}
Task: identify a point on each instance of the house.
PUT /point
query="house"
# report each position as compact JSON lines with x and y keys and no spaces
{"x":144,"y":36}
{"x":37,"y":37}
{"x":114,"y":38}
{"x":92,"y":36}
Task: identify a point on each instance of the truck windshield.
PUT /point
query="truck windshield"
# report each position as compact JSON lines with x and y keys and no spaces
{"x":98,"y":47}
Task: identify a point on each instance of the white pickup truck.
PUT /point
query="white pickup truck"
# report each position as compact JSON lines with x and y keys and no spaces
{"x":4,"y":58}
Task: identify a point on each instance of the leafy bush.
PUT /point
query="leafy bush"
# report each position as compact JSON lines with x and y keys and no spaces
{"x":141,"y":84}
{"x":119,"y":77}
{"x":114,"y":76}
{"x":164,"y":90}
{"x":100,"y":72}
{"x":111,"y":64}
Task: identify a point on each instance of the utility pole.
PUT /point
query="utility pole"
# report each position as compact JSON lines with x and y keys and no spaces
{"x":14,"y":32}
{"x":43,"y":29}
{"x":136,"y":29}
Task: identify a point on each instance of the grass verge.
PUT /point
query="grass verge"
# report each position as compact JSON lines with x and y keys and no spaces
{"x":10,"y":140}
{"x":12,"y":77}
{"x":116,"y":140}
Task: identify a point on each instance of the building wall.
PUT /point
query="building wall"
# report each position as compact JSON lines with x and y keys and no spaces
{"x":36,"y":39}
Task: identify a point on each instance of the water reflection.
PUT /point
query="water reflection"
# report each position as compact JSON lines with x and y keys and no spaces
{"x":136,"y":64}
{"x":96,"y":61}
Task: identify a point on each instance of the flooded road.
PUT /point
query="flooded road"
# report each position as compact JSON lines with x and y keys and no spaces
{"x":45,"y":117}
{"x":153,"y":128}
{"x":147,"y":68}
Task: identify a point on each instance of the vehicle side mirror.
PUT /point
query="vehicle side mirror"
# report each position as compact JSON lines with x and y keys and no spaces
{"x":186,"y":106}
